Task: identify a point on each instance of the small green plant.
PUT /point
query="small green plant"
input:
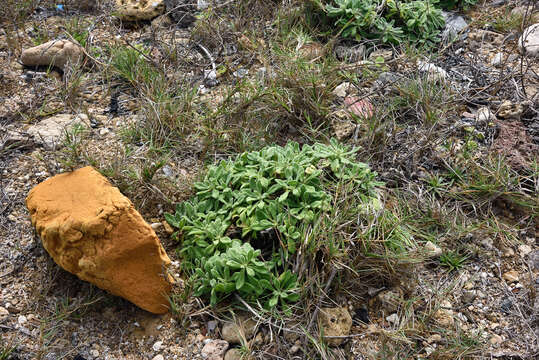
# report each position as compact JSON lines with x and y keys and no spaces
{"x":507,"y":22}
{"x":6,"y":350}
{"x":437,"y":184}
{"x":73,"y":144}
{"x":391,"y":21}
{"x":422,"y":99}
{"x":248,"y":216}
{"x":131,"y":65}
{"x":454,"y":260}
{"x":76,"y":28}
{"x":453,"y":4}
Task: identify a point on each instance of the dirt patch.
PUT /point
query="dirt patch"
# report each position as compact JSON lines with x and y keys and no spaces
{"x":514,"y":142}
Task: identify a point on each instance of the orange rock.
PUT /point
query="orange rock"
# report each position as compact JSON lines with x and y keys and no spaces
{"x":91,"y":230}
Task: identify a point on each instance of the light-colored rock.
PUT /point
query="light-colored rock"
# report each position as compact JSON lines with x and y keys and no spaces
{"x":432,"y":250}
{"x":51,"y":132}
{"x":22,"y":320}
{"x":393,"y":319}
{"x":233,"y":354}
{"x":335,"y":322}
{"x":389,"y":300}
{"x":343,"y":89}
{"x":508,"y":252}
{"x":382,"y":53}
{"x":497,"y":59}
{"x":468,"y":296}
{"x":484,"y":115}
{"x":508,"y":110}
{"x":202,"y":4}
{"x":529,"y":41}
{"x":511,"y":276}
{"x":136,"y":10}
{"x":4,"y":313}
{"x":91,"y":230}
{"x":343,"y":129}
{"x":156,"y":226}
{"x":434,"y":73}
{"x":444,"y":315}
{"x":57,"y":53}
{"x":158,"y":357}
{"x":243,"y":328}
{"x":496,"y":340}
{"x":214,"y":350}
{"x":157,"y":345}
{"x":524,"y":250}
{"x":434,"y":338}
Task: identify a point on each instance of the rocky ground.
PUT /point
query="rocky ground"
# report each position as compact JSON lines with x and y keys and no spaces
{"x":487,"y":307}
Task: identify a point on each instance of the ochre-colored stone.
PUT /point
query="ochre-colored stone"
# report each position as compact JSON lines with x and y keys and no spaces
{"x":136,"y":10}
{"x":91,"y":230}
{"x":335,"y":322}
{"x":53,"y":53}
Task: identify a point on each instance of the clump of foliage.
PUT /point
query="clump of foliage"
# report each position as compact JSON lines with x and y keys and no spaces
{"x":453,"y":260}
{"x":453,"y":4}
{"x":248,"y":216}
{"x":391,"y":21}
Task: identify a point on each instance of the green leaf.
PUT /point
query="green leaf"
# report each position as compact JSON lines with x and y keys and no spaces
{"x":171,"y":219}
{"x":240,"y":281}
{"x":273,"y":301}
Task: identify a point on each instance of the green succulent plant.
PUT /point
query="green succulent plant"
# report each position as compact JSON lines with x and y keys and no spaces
{"x":277,"y":190}
{"x":391,"y":21}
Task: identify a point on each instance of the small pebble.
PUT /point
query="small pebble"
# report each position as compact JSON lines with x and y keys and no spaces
{"x":22,"y":320}
{"x":158,"y":357}
{"x":393,"y":319}
{"x":496,"y":339}
{"x":156,"y":226}
{"x":432,"y":250}
{"x":511,"y":276}
{"x":434,"y":338}
{"x":524,"y":250}
{"x":3,"y":312}
{"x":157,"y":345}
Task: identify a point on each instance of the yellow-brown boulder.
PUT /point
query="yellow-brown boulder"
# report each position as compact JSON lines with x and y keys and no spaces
{"x":57,"y":53}
{"x":91,"y":230}
{"x":136,"y":10}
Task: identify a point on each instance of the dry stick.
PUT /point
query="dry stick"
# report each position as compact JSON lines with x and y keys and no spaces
{"x":326,"y":289}
{"x":265,"y":320}
{"x":145,"y":56}
{"x":269,"y":322}
{"x":207,"y":53}
{"x":525,"y":19}
{"x":84,"y":50}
